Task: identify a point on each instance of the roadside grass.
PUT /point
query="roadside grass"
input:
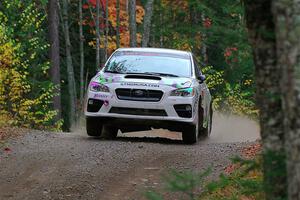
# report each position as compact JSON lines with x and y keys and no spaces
{"x":242,"y":180}
{"x":244,"y":183}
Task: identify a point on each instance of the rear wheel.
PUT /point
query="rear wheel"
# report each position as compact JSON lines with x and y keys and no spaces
{"x":109,"y":132}
{"x":190,"y":134}
{"x":93,"y":126}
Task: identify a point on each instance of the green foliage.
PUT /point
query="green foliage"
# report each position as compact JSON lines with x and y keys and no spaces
{"x":245,"y":182}
{"x":25,"y":89}
{"x":185,"y":183}
{"x":153,"y":196}
{"x":275,"y":162}
{"x":237,"y":99}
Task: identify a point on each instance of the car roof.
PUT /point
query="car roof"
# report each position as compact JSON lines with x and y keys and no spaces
{"x":156,"y":50}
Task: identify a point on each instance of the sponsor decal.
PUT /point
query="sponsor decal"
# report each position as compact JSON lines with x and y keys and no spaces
{"x":139,"y":84}
{"x":106,"y":103}
{"x":186,"y":84}
{"x":100,"y":96}
{"x":176,"y":85}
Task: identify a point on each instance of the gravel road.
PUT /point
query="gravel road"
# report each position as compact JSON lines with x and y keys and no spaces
{"x":42,"y":165}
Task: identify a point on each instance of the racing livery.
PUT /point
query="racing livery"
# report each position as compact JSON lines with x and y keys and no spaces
{"x":143,"y":88}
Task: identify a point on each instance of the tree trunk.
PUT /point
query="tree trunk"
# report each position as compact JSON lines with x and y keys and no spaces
{"x":70,"y":70}
{"x":287,"y":14}
{"x":97,"y":33}
{"x":147,"y":22}
{"x":118,"y":24}
{"x":132,"y":22}
{"x":106,"y":30}
{"x":54,"y":53}
{"x":268,"y":75}
{"x":82,"y":89}
{"x":203,"y":47}
{"x":161,"y":37}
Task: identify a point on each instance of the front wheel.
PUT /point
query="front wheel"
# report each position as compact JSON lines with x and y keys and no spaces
{"x":190,"y":134}
{"x":109,"y":132}
{"x":93,"y":126}
{"x":207,"y":130}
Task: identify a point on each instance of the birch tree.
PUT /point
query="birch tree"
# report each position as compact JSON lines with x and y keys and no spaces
{"x":147,"y":22}
{"x":97,"y":33}
{"x":70,"y":69}
{"x":106,"y":30}
{"x":54,"y":53}
{"x":132,"y":22}
{"x":118,"y":24}
{"x":81,"y":49}
{"x":261,"y":29}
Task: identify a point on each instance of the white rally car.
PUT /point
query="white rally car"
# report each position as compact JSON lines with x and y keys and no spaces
{"x":144,"y":88}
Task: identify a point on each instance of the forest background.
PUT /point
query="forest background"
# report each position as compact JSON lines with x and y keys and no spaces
{"x":44,"y":78}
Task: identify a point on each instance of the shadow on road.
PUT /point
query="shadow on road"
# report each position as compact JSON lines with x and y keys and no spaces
{"x":226,"y":129}
{"x":159,"y":140}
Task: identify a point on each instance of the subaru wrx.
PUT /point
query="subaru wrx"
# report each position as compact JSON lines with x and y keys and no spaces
{"x":143,"y":88}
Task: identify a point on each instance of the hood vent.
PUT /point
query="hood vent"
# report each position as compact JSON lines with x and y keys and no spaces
{"x":149,"y":77}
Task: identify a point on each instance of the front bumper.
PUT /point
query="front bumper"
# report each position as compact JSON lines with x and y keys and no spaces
{"x":166,"y":104}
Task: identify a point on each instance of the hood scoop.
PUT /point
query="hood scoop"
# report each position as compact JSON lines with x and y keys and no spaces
{"x":149,"y":77}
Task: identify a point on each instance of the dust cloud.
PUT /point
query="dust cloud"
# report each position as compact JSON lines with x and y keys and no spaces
{"x":231,"y":128}
{"x":226,"y":129}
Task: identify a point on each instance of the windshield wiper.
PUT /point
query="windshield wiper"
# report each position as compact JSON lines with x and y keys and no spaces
{"x":147,"y":73}
{"x":160,"y":74}
{"x":114,"y":72}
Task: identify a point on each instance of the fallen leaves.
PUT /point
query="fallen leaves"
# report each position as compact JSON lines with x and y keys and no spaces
{"x":247,"y":153}
{"x":231,"y":168}
{"x":251,"y":151}
{"x":7,"y":132}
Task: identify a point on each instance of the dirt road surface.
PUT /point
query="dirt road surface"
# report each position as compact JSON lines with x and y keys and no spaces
{"x":42,"y":165}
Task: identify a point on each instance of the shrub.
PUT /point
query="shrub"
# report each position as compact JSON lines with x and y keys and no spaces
{"x":237,"y":99}
{"x":25,"y":89}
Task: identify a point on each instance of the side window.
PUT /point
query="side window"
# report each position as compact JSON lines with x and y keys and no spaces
{"x":197,"y":69}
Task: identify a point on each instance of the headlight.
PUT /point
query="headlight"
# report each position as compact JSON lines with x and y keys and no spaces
{"x":184,"y":92}
{"x":98,"y":87}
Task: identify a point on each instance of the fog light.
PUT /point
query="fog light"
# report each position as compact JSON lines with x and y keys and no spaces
{"x":184,"y":110}
{"x":188,"y":108}
{"x":94,"y":105}
{"x":91,"y":102}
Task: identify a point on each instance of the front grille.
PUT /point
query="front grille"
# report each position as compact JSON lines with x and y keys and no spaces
{"x":183,"y":110}
{"x":94,"y":105}
{"x":139,"y":95}
{"x":138,"y":111}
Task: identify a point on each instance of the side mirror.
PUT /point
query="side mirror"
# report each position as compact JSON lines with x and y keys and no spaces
{"x":201,"y":78}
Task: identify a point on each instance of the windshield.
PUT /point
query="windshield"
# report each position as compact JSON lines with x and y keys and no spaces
{"x":149,"y":62}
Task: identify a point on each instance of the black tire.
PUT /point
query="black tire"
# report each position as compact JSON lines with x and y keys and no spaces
{"x":93,"y":126}
{"x":109,"y":132}
{"x":190,"y":134}
{"x":207,"y":131}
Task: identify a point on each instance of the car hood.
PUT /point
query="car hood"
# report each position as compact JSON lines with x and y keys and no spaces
{"x":141,"y":79}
